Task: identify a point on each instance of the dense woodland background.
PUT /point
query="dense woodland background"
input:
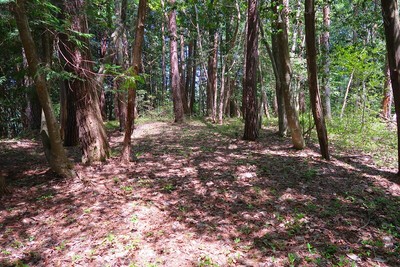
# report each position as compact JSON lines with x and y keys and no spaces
{"x":297,"y":77}
{"x":197,"y":57}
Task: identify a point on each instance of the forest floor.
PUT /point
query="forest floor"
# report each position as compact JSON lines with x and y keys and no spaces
{"x":198,"y":195}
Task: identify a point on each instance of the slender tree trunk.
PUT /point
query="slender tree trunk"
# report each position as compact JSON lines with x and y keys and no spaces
{"x":136,"y":61}
{"x":279,"y":95}
{"x":193,"y":79}
{"x":390,"y":14}
{"x":315,"y":99}
{"x":121,"y":54}
{"x":250,"y":90}
{"x":175,"y":77}
{"x":326,"y":63}
{"x":283,"y":64}
{"x":387,"y":94}
{"x":188,"y":79}
{"x":212,"y":77}
{"x":183,"y":69}
{"x":163,"y":61}
{"x":58,"y":160}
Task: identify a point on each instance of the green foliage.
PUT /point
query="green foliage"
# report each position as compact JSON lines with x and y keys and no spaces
{"x":373,"y":136}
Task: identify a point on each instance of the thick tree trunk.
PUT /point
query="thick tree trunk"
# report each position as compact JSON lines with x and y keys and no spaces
{"x":283,"y":65}
{"x":70,"y":129}
{"x":175,"y":77}
{"x":315,"y":98}
{"x":390,"y":13}
{"x":326,"y":63}
{"x":136,"y":61}
{"x":58,"y":160}
{"x":92,"y":135}
{"x":250,"y":90}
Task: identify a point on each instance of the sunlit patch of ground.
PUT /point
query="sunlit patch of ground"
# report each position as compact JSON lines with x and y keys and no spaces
{"x":195,"y":196}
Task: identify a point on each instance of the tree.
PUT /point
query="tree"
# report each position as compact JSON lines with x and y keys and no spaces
{"x":57,"y":158}
{"x":284,"y":69}
{"x":325,"y":62}
{"x":175,"y":77}
{"x":250,"y":89}
{"x":315,"y":98}
{"x":390,"y":14}
{"x":136,"y":61}
{"x":121,"y":51}
{"x":92,"y":135}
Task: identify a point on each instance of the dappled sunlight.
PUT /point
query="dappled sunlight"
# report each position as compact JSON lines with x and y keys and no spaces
{"x":187,"y":199}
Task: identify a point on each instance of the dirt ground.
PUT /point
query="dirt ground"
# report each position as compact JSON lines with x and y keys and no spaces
{"x":197,"y":195}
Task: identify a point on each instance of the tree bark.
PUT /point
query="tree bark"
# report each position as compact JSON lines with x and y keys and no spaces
{"x":250,"y":90}
{"x":283,"y":65}
{"x":315,"y":98}
{"x":175,"y":77}
{"x":92,"y":135}
{"x":212,"y":77}
{"x":387,"y":94}
{"x":390,"y":14}
{"x":58,"y":160}
{"x":326,"y":63}
{"x":183,"y":70}
{"x":121,"y":54}
{"x":136,"y":61}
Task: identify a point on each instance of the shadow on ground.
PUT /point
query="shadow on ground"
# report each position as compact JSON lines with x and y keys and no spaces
{"x":196,"y":195}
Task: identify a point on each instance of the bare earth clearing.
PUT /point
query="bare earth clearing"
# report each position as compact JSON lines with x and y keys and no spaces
{"x":196,"y":196}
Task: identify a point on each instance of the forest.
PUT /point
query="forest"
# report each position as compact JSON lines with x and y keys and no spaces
{"x":199,"y":133}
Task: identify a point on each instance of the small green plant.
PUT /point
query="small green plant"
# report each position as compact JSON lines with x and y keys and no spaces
{"x":205,"y":261}
{"x":169,"y":188}
{"x":310,"y":174}
{"x":310,"y":248}
{"x":76,"y":257}
{"x":17,"y":244}
{"x":110,"y":238}
{"x":45,"y":197}
{"x":87,"y":211}
{"x":127,"y":188}
{"x":134,"y":219}
{"x":292,"y":257}
{"x":5,"y":252}
{"x":329,"y":251}
{"x":237,"y":240}
{"x":116,"y":180}
{"x":61,"y":246}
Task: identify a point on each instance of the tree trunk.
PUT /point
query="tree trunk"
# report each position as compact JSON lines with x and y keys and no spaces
{"x":163,"y":61}
{"x":136,"y":61}
{"x":193,"y":79}
{"x":387,"y":94}
{"x":283,"y":65}
{"x":58,"y":160}
{"x":92,"y":135}
{"x":212,"y":77}
{"x":121,"y":54}
{"x":279,"y":96}
{"x":315,"y":99}
{"x":183,"y":69}
{"x":390,"y":14}
{"x":326,"y":63}
{"x":250,"y":90}
{"x":175,"y":78}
